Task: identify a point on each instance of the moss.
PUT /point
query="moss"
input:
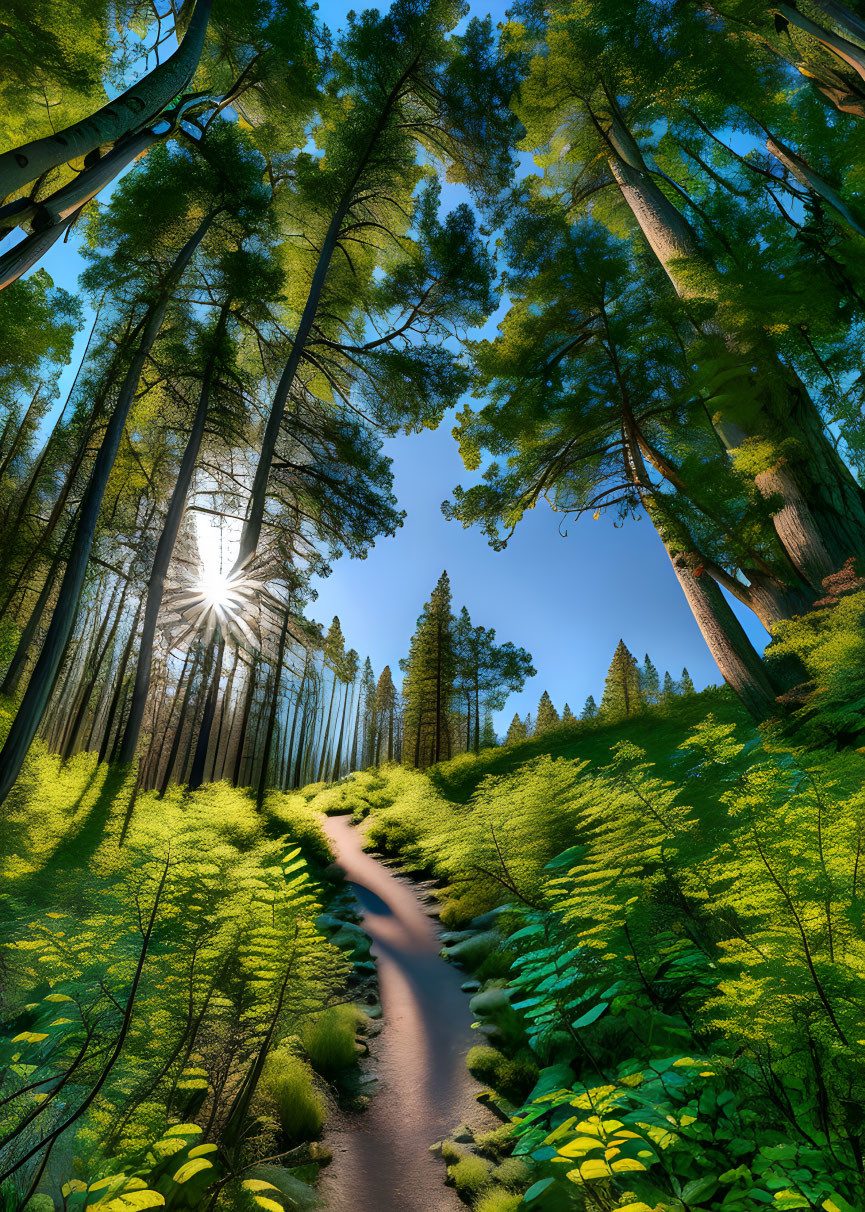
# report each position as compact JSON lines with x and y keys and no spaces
{"x":498,"y":1200}
{"x":329,"y":1039}
{"x":511,"y":1076}
{"x":496,"y":965}
{"x":512,"y":1172}
{"x":496,"y":1143}
{"x":470,"y":1175}
{"x":288,"y":1084}
{"x":451,"y":1152}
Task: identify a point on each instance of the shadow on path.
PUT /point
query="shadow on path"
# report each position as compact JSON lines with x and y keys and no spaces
{"x":382,"y":1160}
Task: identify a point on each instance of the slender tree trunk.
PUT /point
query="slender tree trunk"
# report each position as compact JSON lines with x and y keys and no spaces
{"x":272,"y":712}
{"x":326,"y":734}
{"x":98,"y":654}
{"x":196,"y":777}
{"x":35,"y":698}
{"x":19,"y":658}
{"x":128,"y":112}
{"x":165,"y":550}
{"x":244,"y":722}
{"x":117,"y":699}
{"x":181,"y":722}
{"x":153,"y":775}
{"x":224,"y":714}
{"x":294,"y":717}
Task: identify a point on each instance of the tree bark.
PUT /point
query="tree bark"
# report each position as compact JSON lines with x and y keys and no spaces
{"x":272,"y":713}
{"x":36,"y":696}
{"x":134,"y":108}
{"x":165,"y":550}
{"x":196,"y":776}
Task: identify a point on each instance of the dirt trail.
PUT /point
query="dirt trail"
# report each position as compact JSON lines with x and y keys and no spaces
{"x":381,"y":1158}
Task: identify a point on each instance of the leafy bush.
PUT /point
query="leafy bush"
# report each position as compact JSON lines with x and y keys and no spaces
{"x":498,"y":1200}
{"x":184,"y":928}
{"x":470,"y":1176}
{"x":329,"y":1039}
{"x":288,"y":1084}
{"x":511,"y":1076}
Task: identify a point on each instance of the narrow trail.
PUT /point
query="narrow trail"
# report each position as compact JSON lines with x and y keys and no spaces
{"x":381,"y":1157}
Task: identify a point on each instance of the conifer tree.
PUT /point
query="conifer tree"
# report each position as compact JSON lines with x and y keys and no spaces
{"x":590,"y":709}
{"x":670,"y":689}
{"x":568,"y":716}
{"x":622,"y":694}
{"x":385,"y":705}
{"x":686,"y":686}
{"x":516,"y":731}
{"x":547,"y":716}
{"x":428,"y":685}
{"x":488,"y":732}
{"x":650,"y":683}
{"x":529,"y":725}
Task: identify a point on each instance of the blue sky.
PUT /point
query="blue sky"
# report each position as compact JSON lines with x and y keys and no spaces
{"x":568,"y":600}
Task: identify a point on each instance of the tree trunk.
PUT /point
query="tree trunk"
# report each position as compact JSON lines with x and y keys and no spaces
{"x":326,"y":734}
{"x":196,"y":777}
{"x":153,"y":772}
{"x":98,"y":654}
{"x":809,"y":517}
{"x":225,"y":714}
{"x":272,"y":713}
{"x":165,"y":550}
{"x":35,"y":698}
{"x":20,"y":435}
{"x":181,"y":721}
{"x":120,"y":685}
{"x":128,"y":112}
{"x":244,"y":722}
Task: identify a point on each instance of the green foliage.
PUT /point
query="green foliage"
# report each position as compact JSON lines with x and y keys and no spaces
{"x":683,"y":918}
{"x":329,"y":1039}
{"x":185,"y":931}
{"x":288,"y":1084}
{"x":623,"y":692}
{"x":470,"y":1176}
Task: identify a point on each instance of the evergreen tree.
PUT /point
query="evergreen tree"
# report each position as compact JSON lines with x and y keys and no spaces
{"x":670,"y":689}
{"x":686,"y":686}
{"x":650,"y":683}
{"x":428,"y":686}
{"x":547,"y":716}
{"x":590,"y":709}
{"x":385,"y":704}
{"x":568,"y":716}
{"x":622,"y":694}
{"x":516,"y":731}
{"x":488,"y":733}
{"x":368,"y":716}
{"x":529,"y":725}
{"x":486,"y":672}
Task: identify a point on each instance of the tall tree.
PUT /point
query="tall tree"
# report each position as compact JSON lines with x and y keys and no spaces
{"x":428,"y":685}
{"x":622,"y":694}
{"x":547,"y":716}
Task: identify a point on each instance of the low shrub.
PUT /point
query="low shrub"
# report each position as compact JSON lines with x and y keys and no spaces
{"x":329,"y":1039}
{"x":499,"y":1200}
{"x":511,"y":1076}
{"x":288,"y":1083}
{"x":470,"y":1176}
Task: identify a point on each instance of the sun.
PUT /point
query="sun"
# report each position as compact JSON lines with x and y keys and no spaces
{"x":216,"y":589}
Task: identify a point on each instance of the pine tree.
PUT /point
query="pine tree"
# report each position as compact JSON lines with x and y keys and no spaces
{"x":385,"y":703}
{"x":547,"y":717}
{"x":529,"y":725}
{"x":670,"y":688}
{"x":590,"y":709}
{"x":686,"y":685}
{"x":516,"y":731}
{"x":568,"y":716}
{"x":428,"y":686}
{"x":488,"y":732}
{"x":622,"y":694}
{"x":650,"y":683}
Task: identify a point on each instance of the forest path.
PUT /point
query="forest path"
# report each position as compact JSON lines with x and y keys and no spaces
{"x":381,"y":1157}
